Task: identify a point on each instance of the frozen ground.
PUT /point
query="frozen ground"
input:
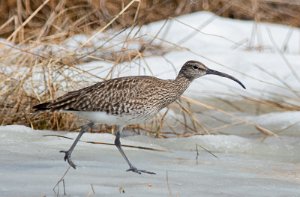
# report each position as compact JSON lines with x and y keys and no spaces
{"x":31,"y":165}
{"x":247,"y":165}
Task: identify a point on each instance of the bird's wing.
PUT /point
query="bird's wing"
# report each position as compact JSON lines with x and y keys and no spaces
{"x":116,"y":96}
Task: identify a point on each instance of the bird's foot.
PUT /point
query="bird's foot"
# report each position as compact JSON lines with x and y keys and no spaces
{"x":67,"y":158}
{"x":134,"y":169}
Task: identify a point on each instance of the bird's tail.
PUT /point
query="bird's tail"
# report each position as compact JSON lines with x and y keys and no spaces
{"x":42,"y":106}
{"x":64,"y":102}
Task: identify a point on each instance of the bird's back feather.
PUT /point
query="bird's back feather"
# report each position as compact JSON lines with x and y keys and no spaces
{"x":124,"y":95}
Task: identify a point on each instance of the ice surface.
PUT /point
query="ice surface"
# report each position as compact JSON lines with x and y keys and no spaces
{"x":31,"y":165}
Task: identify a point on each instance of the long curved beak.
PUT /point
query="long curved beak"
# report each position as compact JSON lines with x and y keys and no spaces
{"x":214,"y":72}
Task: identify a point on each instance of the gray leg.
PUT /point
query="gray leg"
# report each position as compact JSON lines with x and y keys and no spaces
{"x":119,"y":146}
{"x":68,"y":153}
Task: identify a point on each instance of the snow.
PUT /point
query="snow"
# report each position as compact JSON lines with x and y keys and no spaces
{"x":31,"y":165}
{"x":248,"y":163}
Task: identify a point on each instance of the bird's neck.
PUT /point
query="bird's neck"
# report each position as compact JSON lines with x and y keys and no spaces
{"x":174,"y":89}
{"x":182,"y":82}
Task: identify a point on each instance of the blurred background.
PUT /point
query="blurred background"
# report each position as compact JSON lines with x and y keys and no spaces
{"x":57,"y":20}
{"x":50,"y":47}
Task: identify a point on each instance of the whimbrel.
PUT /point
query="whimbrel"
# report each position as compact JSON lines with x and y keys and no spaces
{"x":126,"y":100}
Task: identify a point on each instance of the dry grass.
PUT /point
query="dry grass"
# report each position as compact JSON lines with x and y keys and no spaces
{"x":54,"y":20}
{"x":33,"y":72}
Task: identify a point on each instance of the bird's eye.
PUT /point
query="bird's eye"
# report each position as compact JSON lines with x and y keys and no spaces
{"x":195,"y":67}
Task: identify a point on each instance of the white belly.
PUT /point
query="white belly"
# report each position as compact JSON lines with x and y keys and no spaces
{"x":104,"y":118}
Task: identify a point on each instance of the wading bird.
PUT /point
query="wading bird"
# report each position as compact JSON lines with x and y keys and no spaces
{"x":126,"y":100}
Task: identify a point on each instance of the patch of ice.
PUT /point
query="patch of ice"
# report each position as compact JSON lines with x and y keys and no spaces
{"x":31,"y":167}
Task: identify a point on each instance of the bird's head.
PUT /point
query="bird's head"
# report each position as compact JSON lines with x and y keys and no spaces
{"x":194,"y":69}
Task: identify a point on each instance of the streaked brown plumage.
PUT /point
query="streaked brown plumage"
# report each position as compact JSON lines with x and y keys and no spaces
{"x":127,"y":100}
{"x":124,"y":95}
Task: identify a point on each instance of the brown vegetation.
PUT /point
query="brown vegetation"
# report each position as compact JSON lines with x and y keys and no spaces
{"x":38,"y":23}
{"x":27,"y":20}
